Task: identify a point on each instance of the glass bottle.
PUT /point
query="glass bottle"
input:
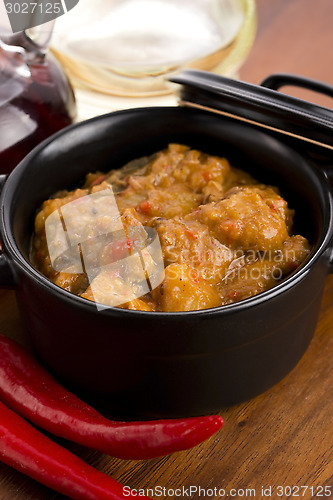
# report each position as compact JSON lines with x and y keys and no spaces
{"x":36,"y":98}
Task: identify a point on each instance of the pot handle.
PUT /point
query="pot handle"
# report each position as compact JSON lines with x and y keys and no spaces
{"x":260,"y":105}
{"x":7,"y":277}
{"x":278,"y":80}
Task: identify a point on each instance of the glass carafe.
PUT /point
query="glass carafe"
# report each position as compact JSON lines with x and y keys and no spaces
{"x":36,"y":98}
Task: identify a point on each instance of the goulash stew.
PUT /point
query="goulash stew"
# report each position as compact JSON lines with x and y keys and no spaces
{"x":220,"y":235}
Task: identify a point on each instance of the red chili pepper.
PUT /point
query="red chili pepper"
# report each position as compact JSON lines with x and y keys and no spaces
{"x":129,"y":243}
{"x":144,"y":207}
{"x":27,"y":450}
{"x":99,"y":180}
{"x":31,"y":391}
{"x":119,"y":249}
{"x":207,"y":175}
{"x":190,"y":233}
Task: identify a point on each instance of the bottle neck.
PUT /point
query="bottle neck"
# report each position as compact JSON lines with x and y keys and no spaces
{"x":35,"y":41}
{"x":40,"y":36}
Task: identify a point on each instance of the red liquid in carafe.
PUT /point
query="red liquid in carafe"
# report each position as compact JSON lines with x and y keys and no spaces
{"x":36,"y":100}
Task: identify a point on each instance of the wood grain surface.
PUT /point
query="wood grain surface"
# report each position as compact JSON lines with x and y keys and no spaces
{"x":283,"y":438}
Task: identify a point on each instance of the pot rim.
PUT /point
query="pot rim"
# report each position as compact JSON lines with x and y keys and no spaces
{"x":16,"y":256}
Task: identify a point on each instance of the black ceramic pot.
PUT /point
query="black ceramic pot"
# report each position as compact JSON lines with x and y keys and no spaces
{"x":169,"y":364}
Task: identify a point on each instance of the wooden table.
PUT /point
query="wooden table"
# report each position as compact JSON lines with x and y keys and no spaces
{"x":283,"y":438}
